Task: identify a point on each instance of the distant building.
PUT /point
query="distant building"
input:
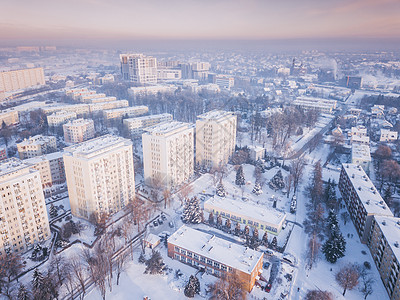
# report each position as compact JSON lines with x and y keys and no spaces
{"x":387,"y":135}
{"x":136,"y":126}
{"x":108,"y":78}
{"x":100,"y":100}
{"x":362,"y":199}
{"x":98,"y":107}
{"x":361,"y":155}
{"x":24,"y":220}
{"x":223,"y":81}
{"x":246,"y":213}
{"x":195,"y":70}
{"x":354,"y":82}
{"x":100,"y":176}
{"x":150,"y":90}
{"x":79,"y":109}
{"x":60,"y":117}
{"x":37,"y":145}
{"x":168,"y":153}
{"x":119,"y":113}
{"x":86,"y":98}
{"x":215,"y":138}
{"x":9,"y":117}
{"x":78,"y":131}
{"x":169,"y":74}
{"x":215,"y":255}
{"x":3,"y":153}
{"x":21,"y":79}
{"x":51,"y":168}
{"x":319,"y":104}
{"x":139,"y":68}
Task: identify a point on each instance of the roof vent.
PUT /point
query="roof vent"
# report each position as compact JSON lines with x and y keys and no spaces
{"x":368,"y":202}
{"x":396,"y":244}
{"x":352,"y":176}
{"x":359,"y":188}
{"x":398,"y":223}
{"x":381,"y":202}
{"x":384,"y":223}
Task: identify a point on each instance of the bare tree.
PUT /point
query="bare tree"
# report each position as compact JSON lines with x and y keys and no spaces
{"x":79,"y":274}
{"x":57,"y":266}
{"x":228,"y":287}
{"x":366,"y":282}
{"x":347,"y":277}
{"x":167,"y":197}
{"x":297,"y":169}
{"x":70,"y":281}
{"x":319,"y":295}
{"x":184,"y":192}
{"x":313,"y":250}
{"x":120,"y":264}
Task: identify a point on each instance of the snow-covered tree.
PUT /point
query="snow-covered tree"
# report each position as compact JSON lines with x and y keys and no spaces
{"x":265,"y":238}
{"x":191,"y":211}
{"x":192,"y":287}
{"x":274,"y":243}
{"x":332,"y":222}
{"x":277,"y":182}
{"x":37,"y":280}
{"x":220,"y":190}
{"x":211,"y":218}
{"x":335,"y":247}
{"x":155,"y":264}
{"x":23,"y":293}
{"x":53,"y":211}
{"x":240,"y":177}
{"x":257,"y":189}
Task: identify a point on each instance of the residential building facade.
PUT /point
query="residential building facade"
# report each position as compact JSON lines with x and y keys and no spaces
{"x":119,"y":113}
{"x":77,"y":131}
{"x":60,"y":117}
{"x":36,"y":145}
{"x":136,"y":126}
{"x":9,"y":117}
{"x":50,"y":166}
{"x":21,"y":79}
{"x":139,"y":68}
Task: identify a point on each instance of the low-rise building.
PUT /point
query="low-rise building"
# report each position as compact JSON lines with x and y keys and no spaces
{"x":23,"y":215}
{"x":246,"y":213}
{"x":215,"y":255}
{"x":60,"y":117}
{"x":98,"y":107}
{"x":362,"y":140}
{"x":9,"y":117}
{"x":119,"y":113}
{"x":362,"y":198}
{"x":36,"y":145}
{"x":319,"y":104}
{"x":361,"y":155}
{"x":136,"y":126}
{"x":256,"y":152}
{"x":100,"y":99}
{"x":387,"y":135}
{"x":78,"y":131}
{"x":169,"y":74}
{"x":151,"y":90}
{"x":50,"y":166}
{"x":358,"y":131}
{"x":85,"y":98}
{"x":80,"y":109}
{"x":3,"y":153}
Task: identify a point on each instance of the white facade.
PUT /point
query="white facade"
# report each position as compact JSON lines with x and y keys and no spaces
{"x":361,"y":155}
{"x":151,"y":90}
{"x":97,"y":107}
{"x":36,"y":145}
{"x":23,"y":215}
{"x":79,"y":109}
{"x":224,"y":81}
{"x":119,"y":113}
{"x":319,"y":104}
{"x":169,"y":74}
{"x":50,"y":166}
{"x":60,"y":117}
{"x":139,"y":68}
{"x":168,"y":153}
{"x":100,"y":99}
{"x":136,"y":125}
{"x":388,"y":135}
{"x":9,"y":117}
{"x":100,"y":175}
{"x":21,"y":79}
{"x":78,"y":131}
{"x":215,"y":138}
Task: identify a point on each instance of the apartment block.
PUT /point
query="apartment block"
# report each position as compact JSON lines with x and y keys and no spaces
{"x":3,"y":153}
{"x":21,"y":79}
{"x":98,"y":107}
{"x":36,"y":145}
{"x":362,"y":199}
{"x":23,"y":215}
{"x":78,"y":131}
{"x":383,"y":242}
{"x":50,"y":166}
{"x":139,"y":68}
{"x":215,"y":255}
{"x":136,"y":126}
{"x":245,"y":213}
{"x":387,"y":135}
{"x":168,"y":153}
{"x":151,"y":90}
{"x":100,"y":175}
{"x":361,"y":155}
{"x":319,"y":104}
{"x":119,"y":113}
{"x":101,"y":99}
{"x":60,"y":117}
{"x":215,"y":138}
{"x":223,"y":81}
{"x":9,"y":117}
{"x":169,"y":74}
{"x":79,"y":109}
{"x":85,"y":98}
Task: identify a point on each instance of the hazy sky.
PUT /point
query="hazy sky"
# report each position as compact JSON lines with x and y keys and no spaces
{"x":198,"y":19}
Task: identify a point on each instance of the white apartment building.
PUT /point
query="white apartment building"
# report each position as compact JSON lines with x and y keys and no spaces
{"x":85,"y":98}
{"x":23,"y":215}
{"x":139,"y":68}
{"x":50,"y":166}
{"x":60,"y":117}
{"x":361,"y":155}
{"x":224,"y":81}
{"x":151,"y":90}
{"x":169,"y":74}
{"x":319,"y":104}
{"x":97,"y":107}
{"x":136,"y":125}
{"x":21,"y":79}
{"x":168,"y":153}
{"x":387,"y":135}
{"x":79,"y":109}
{"x":36,"y":145}
{"x":102,"y":99}
{"x":358,"y":131}
{"x":215,"y":138}
{"x":76,"y":94}
{"x":119,"y":113}
{"x":77,"y":131}
{"x":100,"y":175}
{"x":9,"y":117}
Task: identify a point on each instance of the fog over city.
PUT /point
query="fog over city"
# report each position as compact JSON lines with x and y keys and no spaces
{"x":164,"y":150}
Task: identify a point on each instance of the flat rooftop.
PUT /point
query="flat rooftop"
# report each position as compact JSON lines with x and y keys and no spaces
{"x":253,"y":211}
{"x":129,"y":108}
{"x":215,"y":115}
{"x":390,"y":227}
{"x":230,"y":254}
{"x":12,"y":165}
{"x":37,"y":139}
{"x":50,"y":156}
{"x":98,"y":145}
{"x":361,"y":151}
{"x":148,"y":117}
{"x":168,"y":128}
{"x":366,"y":190}
{"x":78,"y":122}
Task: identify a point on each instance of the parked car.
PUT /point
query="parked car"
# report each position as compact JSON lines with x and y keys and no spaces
{"x":163,"y":217}
{"x":160,"y":221}
{"x":155,"y":223}
{"x":171,"y":224}
{"x":268,"y":287}
{"x":266,"y":265}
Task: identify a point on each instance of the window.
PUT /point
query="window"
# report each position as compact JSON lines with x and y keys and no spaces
{"x":195,"y":256}
{"x":183,"y":251}
{"x":209,"y":262}
{"x":189,"y":254}
{"x":203,"y":259}
{"x":216,"y":265}
{"x":176,"y":249}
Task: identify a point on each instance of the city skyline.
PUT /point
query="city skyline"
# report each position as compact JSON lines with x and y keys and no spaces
{"x":90,"y":20}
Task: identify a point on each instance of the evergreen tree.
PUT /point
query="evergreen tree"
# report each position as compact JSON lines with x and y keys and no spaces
{"x":155,"y":265}
{"x":240,"y":177}
{"x":237,"y":229}
{"x":265,"y":238}
{"x":23,"y":293}
{"x":388,"y":195}
{"x":192,"y":287}
{"x":257,"y":189}
{"x":37,"y":280}
{"x":274,"y":243}
{"x":220,"y":190}
{"x":277,"y":182}
{"x":53,"y":211}
{"x":332,"y":222}
{"x":211,"y":218}
{"x":191,"y":211}
{"x":335,"y":247}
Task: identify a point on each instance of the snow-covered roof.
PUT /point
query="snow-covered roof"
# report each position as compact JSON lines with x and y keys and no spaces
{"x":152,"y":239}
{"x":50,"y":156}
{"x":390,"y":227}
{"x":230,"y":254}
{"x":37,"y":139}
{"x":360,"y":152}
{"x":165,"y":115}
{"x":12,"y":165}
{"x":254,"y":212}
{"x":127,"y":109}
{"x":360,"y":139}
{"x":366,"y":190}
{"x":168,"y":128}
{"x":215,"y":115}
{"x":78,"y":122}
